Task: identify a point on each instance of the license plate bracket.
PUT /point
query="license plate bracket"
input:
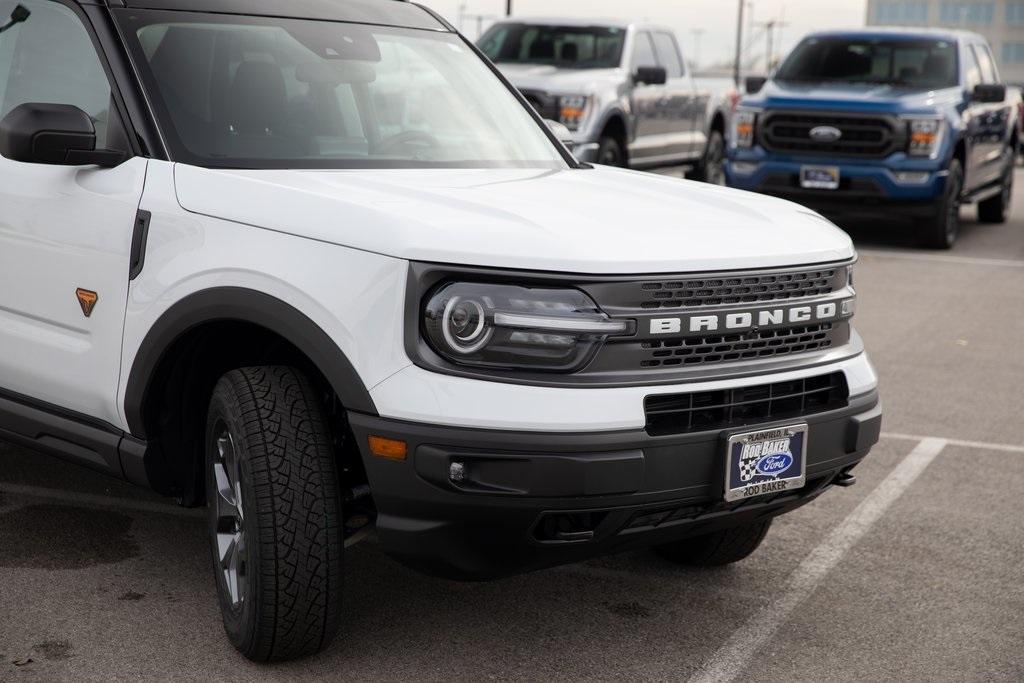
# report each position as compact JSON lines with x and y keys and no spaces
{"x":766,"y":461}
{"x":819,"y":177}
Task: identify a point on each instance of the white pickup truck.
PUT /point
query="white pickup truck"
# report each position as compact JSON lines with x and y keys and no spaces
{"x":623,"y":89}
{"x":327,"y":274}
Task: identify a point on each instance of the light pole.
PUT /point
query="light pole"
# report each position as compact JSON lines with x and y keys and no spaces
{"x":739,"y":43}
{"x":508,"y":8}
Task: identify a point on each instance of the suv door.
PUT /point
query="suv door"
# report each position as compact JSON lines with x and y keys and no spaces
{"x":646,"y":103}
{"x":65,"y":232}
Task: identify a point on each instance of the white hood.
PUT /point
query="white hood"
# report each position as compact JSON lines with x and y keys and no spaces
{"x":600,"y":221}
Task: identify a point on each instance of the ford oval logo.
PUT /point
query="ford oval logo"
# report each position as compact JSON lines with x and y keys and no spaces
{"x":774,"y":465}
{"x":826,"y":134}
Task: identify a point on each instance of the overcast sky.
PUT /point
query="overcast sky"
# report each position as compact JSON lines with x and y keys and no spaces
{"x":717,"y":18}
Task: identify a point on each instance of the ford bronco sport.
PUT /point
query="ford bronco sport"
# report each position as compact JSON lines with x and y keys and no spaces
{"x":328,"y":273}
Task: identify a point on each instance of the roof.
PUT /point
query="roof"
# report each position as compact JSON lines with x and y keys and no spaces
{"x":381,"y":12}
{"x":909,"y":32}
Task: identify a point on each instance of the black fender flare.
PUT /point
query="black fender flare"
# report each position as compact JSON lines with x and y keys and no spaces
{"x":240,"y":305}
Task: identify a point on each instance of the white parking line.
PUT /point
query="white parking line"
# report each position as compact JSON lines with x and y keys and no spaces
{"x":932,"y":258}
{"x":98,"y":501}
{"x":732,"y":658}
{"x":984,"y":445}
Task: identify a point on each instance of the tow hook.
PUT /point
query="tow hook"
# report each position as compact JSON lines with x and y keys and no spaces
{"x":846,"y":480}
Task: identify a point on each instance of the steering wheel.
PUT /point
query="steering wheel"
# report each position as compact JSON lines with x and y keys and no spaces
{"x":406,"y":137}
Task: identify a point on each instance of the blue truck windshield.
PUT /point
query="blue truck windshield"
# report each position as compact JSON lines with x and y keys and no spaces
{"x":909,"y":63}
{"x":568,"y":47}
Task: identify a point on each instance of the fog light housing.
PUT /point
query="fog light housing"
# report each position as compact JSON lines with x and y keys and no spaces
{"x":913,"y":177}
{"x":457,"y":472}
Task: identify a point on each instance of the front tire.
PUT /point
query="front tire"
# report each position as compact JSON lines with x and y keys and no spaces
{"x":712,"y":167}
{"x":941,"y":230}
{"x":718,"y":548}
{"x":611,"y":152}
{"x":274,"y":514}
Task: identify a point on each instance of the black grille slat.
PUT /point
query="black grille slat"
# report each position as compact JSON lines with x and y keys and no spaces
{"x":680,"y":414}
{"x":865,"y":136}
{"x":719,"y":349}
{"x":752,"y":289}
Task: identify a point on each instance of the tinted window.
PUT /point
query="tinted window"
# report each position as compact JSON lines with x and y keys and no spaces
{"x":49,"y":58}
{"x":668,"y":54}
{"x":568,"y":47}
{"x":263,"y":92}
{"x":643,"y":51}
{"x":910,"y":63}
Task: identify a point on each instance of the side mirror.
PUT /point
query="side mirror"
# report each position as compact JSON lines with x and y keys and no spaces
{"x":55,"y":134}
{"x":651,"y":75}
{"x":562,"y":132}
{"x":754,"y":84}
{"x":987,"y":93}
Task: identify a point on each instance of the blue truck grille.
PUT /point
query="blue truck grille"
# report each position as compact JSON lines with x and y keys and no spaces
{"x":861,"y":136}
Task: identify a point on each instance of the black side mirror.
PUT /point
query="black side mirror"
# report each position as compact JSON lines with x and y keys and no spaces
{"x":56,"y":134}
{"x":651,"y":75}
{"x":754,"y":84}
{"x":988,"y":93}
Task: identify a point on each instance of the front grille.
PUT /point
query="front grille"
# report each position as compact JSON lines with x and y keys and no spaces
{"x":719,"y":291}
{"x":545,"y":104}
{"x":722,"y":409}
{"x":736,"y":347}
{"x":863,"y":136}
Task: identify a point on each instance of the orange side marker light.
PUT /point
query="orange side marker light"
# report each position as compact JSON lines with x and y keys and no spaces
{"x":389,"y":449}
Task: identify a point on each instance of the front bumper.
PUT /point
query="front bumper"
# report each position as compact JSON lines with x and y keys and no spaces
{"x":536,"y":499}
{"x":867,"y":187}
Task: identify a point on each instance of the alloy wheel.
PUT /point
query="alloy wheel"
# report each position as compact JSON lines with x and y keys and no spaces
{"x":229,"y":519}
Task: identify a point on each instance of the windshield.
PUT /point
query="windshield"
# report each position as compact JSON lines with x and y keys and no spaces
{"x":910,"y":63}
{"x":260,"y":92}
{"x":568,"y":47}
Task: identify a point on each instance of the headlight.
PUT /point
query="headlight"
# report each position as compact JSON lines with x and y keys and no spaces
{"x":924,"y":136}
{"x":506,"y":326}
{"x":744,"y":127}
{"x":572,"y":110}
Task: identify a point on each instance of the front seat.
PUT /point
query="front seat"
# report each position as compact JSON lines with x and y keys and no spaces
{"x":256,"y":119}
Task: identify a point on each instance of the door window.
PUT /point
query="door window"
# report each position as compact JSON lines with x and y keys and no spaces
{"x":643,"y":51}
{"x":988,"y":68}
{"x":49,"y":58}
{"x":668,"y":54}
{"x":972,"y":73}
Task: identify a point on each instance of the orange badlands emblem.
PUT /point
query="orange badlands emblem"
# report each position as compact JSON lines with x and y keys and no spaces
{"x":87,"y":299}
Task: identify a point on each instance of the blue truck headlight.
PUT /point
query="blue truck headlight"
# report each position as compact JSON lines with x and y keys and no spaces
{"x":744,"y":128}
{"x":508,"y":326}
{"x":924,"y":136}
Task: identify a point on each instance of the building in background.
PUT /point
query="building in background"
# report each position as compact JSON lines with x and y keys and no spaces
{"x":1000,"y":21}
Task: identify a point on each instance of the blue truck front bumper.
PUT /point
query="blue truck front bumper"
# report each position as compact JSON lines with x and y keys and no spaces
{"x":907,"y":186}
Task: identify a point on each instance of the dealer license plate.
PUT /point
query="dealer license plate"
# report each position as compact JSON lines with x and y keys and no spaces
{"x":819,"y":177}
{"x":765,"y":462}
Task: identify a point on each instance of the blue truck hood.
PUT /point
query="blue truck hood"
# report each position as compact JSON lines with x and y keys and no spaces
{"x":868,"y":97}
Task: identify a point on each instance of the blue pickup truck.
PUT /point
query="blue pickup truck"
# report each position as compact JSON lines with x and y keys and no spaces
{"x":908,"y":122}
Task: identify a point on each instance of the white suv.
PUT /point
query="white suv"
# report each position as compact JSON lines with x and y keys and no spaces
{"x":329,"y":274}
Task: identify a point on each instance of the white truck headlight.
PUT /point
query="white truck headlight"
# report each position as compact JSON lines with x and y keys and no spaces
{"x":508,"y":326}
{"x":924,"y":136}
{"x":744,"y":128}
{"x":573,"y":110}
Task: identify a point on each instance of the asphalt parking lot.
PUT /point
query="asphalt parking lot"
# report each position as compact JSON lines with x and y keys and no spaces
{"x":916,"y":573}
